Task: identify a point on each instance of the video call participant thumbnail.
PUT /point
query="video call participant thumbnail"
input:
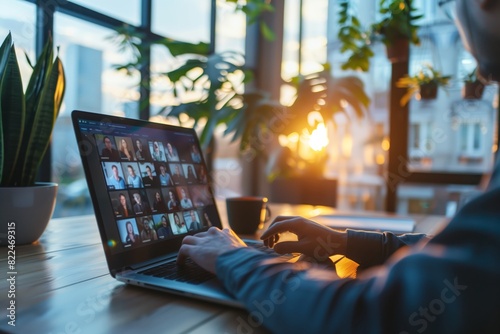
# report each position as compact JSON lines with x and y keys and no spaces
{"x":177,"y":174}
{"x":133,"y":180}
{"x":157,"y":152}
{"x":185,"y":201}
{"x":192,"y":220}
{"x":158,"y":204}
{"x":113,"y":175}
{"x":141,"y":206}
{"x":147,"y":233}
{"x":125,"y":148}
{"x":141,"y":151}
{"x":121,"y":203}
{"x":108,"y":150}
{"x":170,"y":196}
{"x":128,"y":232}
{"x":163,"y":231}
{"x":149,"y":178}
{"x":177,"y":223}
{"x":171,"y":152}
{"x":165,"y":178}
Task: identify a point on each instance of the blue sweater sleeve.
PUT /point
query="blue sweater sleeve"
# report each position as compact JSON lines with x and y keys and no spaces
{"x":374,"y":248}
{"x":449,"y":285}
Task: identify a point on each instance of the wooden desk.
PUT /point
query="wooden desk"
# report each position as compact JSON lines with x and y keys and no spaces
{"x":63,"y":286}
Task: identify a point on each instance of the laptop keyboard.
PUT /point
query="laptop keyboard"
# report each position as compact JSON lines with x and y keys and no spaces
{"x":190,"y":272}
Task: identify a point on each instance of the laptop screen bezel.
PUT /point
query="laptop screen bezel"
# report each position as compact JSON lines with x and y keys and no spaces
{"x":123,"y":259}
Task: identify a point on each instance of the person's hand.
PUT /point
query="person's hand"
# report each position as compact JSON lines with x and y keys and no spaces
{"x":314,"y":240}
{"x":205,"y":247}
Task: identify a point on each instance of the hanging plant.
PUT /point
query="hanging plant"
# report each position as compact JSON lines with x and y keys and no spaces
{"x":397,"y":28}
{"x":473,"y":88}
{"x":425,"y":83}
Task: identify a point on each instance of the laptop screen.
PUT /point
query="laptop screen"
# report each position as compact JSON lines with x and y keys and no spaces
{"x":148,"y":182}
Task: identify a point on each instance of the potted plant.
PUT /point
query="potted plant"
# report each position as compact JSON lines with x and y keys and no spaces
{"x":473,"y":88}
{"x":425,"y":83}
{"x":27,"y":120}
{"x":208,"y":87}
{"x":298,"y":177}
{"x":396,"y":28}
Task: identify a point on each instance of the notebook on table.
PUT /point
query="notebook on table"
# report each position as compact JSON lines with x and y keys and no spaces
{"x":149,"y":188}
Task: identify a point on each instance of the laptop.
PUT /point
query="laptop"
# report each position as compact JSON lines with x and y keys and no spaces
{"x":149,"y":188}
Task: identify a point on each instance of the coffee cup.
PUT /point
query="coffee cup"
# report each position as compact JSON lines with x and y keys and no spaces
{"x":247,"y":214}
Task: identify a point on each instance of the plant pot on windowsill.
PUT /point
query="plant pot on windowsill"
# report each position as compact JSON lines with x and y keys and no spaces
{"x":26,"y":211}
{"x":428,"y":91}
{"x":473,"y":90}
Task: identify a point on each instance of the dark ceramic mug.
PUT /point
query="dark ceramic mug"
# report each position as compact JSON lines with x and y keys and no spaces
{"x":247,"y":214}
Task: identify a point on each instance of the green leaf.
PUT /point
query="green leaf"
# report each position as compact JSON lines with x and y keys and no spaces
{"x":267,"y":32}
{"x":45,"y":115}
{"x":12,"y":110}
{"x":178,"y":48}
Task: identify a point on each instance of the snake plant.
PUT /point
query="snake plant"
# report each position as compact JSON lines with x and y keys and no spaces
{"x":27,"y":118}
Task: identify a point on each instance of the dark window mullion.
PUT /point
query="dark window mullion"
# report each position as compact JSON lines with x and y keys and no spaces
{"x":145,"y":85}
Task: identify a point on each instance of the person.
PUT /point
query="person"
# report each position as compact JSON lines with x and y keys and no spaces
{"x":172,"y":153}
{"x":178,"y":177}
{"x":133,"y":180}
{"x":125,"y":153}
{"x":194,"y":225}
{"x":164,"y":231}
{"x":186,"y":202}
{"x":147,"y":233}
{"x":179,"y":226}
{"x":132,"y":238}
{"x":411,"y":283}
{"x":173,"y":203}
{"x":158,"y":154}
{"x":116,"y":181}
{"x":150,"y":180}
{"x":191,"y":177}
{"x":108,"y":150}
{"x":158,"y":204}
{"x":195,"y":154}
{"x":140,"y":207}
{"x":165,"y":178}
{"x":202,"y":175}
{"x":140,"y":152}
{"x":123,"y":208}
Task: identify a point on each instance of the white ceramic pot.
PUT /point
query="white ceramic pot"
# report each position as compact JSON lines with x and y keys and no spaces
{"x":28,"y":209}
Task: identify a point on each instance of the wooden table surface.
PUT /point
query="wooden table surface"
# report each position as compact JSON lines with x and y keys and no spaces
{"x":62,"y":285}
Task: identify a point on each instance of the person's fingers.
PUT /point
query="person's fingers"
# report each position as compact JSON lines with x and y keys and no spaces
{"x":184,"y":252}
{"x":281,"y":218}
{"x":190,"y":240}
{"x":284,"y":247}
{"x":272,"y":240}
{"x":213,"y":230}
{"x":289,"y":225}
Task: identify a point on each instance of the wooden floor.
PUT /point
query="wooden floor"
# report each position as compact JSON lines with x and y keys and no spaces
{"x":62,"y":285}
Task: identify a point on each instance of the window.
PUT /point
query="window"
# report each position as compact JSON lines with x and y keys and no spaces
{"x":91,"y":84}
{"x":19,"y":18}
{"x":125,"y":10}
{"x":187,"y":20}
